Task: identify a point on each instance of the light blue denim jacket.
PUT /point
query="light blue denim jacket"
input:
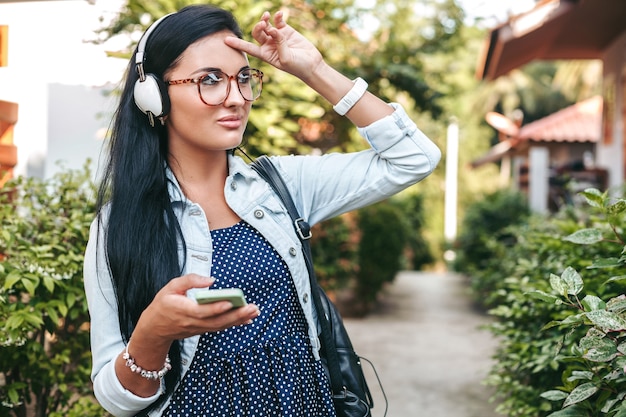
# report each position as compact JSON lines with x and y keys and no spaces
{"x":321,"y":186}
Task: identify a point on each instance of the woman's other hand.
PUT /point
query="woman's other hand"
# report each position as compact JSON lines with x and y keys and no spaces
{"x":172,"y":315}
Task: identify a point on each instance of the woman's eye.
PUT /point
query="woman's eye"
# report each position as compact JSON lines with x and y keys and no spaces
{"x":211,"y":79}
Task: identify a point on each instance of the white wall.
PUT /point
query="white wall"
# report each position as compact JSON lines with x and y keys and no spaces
{"x":47,"y":50}
{"x":78,"y":118}
{"x":611,"y":155}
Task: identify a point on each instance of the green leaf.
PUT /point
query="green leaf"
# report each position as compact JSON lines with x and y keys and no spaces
{"x":542,"y":295}
{"x":617,"y":208}
{"x":617,"y":305}
{"x":581,"y":375}
{"x":594,"y":197}
{"x":609,"y":404}
{"x":14,"y":322}
{"x":63,"y":310}
{"x":573,"y":281}
{"x":607,"y":320}
{"x":554,"y":395}
{"x":573,"y":411}
{"x":70,"y":299}
{"x":12,"y":279}
{"x":551,"y":324}
{"x":48,"y":283}
{"x":29,"y":285}
{"x":616,"y":279}
{"x":52,"y":313}
{"x":585,"y":236}
{"x":580,"y":393}
{"x":606,"y":263}
{"x":14,"y":396}
{"x":598,"y":349}
{"x":558,"y":285}
{"x":573,"y":319}
{"x":591,"y":302}
{"x":621,"y":412}
{"x":34,"y":320}
{"x":570,"y":321}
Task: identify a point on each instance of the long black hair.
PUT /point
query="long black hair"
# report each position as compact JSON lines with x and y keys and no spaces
{"x":142,"y":234}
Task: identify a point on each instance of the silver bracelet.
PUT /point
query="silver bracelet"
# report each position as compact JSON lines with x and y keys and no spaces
{"x":356,"y":92}
{"x":144,"y":373}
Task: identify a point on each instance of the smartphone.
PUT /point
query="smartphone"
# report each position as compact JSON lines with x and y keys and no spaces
{"x":234,"y":295}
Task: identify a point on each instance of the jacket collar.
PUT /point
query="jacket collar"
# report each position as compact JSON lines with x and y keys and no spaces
{"x":237,"y":167}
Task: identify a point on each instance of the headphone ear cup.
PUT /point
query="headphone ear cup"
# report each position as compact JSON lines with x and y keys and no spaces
{"x":151,"y":96}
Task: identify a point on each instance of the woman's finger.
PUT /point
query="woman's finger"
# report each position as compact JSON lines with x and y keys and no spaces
{"x":279,"y":20}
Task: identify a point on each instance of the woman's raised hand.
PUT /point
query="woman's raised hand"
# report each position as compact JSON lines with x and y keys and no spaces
{"x":281,"y":46}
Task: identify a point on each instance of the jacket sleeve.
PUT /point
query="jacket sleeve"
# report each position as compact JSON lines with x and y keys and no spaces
{"x":328,"y":185}
{"x":106,"y":339}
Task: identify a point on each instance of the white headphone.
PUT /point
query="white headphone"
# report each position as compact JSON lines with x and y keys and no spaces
{"x":150,"y":93}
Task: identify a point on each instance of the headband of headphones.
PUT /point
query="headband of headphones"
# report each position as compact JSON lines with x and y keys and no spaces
{"x":150,"y":93}
{"x":141,"y":47}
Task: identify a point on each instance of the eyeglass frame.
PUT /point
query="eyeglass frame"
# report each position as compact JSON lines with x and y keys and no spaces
{"x":198,"y":80}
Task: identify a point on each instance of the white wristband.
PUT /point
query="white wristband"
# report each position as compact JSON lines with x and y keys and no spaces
{"x":356,"y":92}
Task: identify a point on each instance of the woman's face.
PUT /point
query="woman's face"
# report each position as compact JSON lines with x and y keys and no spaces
{"x":193,"y":126}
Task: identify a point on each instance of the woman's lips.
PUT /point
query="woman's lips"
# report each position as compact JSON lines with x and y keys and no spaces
{"x":230,"y":122}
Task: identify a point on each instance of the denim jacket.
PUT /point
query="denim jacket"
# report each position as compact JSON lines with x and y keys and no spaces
{"x":321,"y":186}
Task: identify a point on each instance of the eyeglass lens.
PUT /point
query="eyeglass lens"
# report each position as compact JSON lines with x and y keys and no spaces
{"x":215,"y":86}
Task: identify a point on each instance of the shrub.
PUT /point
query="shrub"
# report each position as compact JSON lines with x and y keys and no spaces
{"x":418,"y":253}
{"x":528,"y":359}
{"x":485,"y":235}
{"x":334,"y":250}
{"x":381,"y":246}
{"x":357,"y":253}
{"x":45,"y":359}
{"x":593,"y":320}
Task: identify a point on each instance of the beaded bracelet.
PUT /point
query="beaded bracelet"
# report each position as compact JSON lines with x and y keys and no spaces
{"x":151,"y":375}
{"x":350,"y":99}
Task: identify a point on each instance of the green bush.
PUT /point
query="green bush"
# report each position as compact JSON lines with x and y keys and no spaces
{"x":592,"y":319}
{"x":417,"y":252}
{"x":381,"y":246}
{"x":485,"y":236}
{"x":45,"y":359}
{"x":533,"y":358}
{"x":357,"y":253}
{"x":334,"y":250}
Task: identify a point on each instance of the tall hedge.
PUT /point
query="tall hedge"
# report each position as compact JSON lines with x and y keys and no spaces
{"x":485,"y":236}
{"x":550,"y":284}
{"x":44,"y":324}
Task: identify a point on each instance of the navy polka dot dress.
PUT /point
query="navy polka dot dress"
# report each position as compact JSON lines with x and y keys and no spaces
{"x":263,"y":369}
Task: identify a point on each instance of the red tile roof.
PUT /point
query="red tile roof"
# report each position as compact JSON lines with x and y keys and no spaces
{"x":581,"y":122}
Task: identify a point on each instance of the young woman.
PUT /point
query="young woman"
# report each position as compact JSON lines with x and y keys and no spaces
{"x":178,"y":211}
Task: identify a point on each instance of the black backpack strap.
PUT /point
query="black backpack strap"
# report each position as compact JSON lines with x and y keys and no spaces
{"x":266,"y":169}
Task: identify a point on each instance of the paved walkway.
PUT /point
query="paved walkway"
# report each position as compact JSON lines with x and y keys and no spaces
{"x":426,"y":343}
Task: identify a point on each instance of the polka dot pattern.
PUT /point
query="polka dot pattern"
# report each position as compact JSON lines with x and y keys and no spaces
{"x":266,"y":368}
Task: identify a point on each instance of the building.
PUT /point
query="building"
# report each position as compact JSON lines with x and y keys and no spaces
{"x":565,"y":30}
{"x":55,"y":105}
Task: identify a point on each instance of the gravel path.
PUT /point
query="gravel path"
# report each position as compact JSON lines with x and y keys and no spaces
{"x":428,"y":348}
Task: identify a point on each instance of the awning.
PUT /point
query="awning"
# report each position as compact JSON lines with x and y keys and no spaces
{"x":496,"y":153}
{"x":553,"y":30}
